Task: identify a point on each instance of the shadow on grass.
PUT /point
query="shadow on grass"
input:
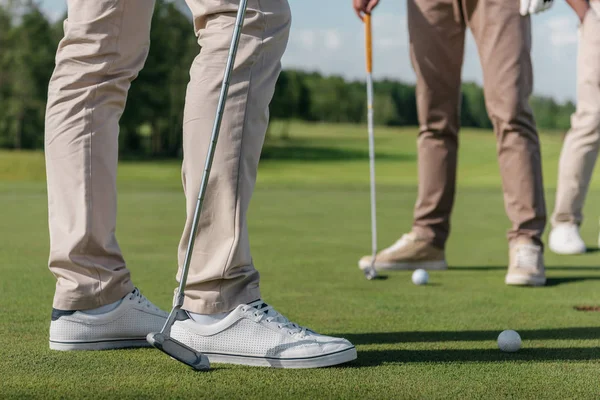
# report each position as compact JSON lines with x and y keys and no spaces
{"x":580,"y":333}
{"x":504,"y":267}
{"x":372,"y":358}
{"x":299,"y":152}
{"x":380,"y":277}
{"x":564,"y":280}
{"x":290,"y":150}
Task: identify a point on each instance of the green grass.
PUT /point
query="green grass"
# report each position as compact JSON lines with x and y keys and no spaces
{"x":309,"y":224}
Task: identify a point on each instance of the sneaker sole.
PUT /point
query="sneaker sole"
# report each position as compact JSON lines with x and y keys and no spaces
{"x":326,"y":360}
{"x":114,"y":344}
{"x":520,"y":280}
{"x":568,"y":252}
{"x":440,"y":265}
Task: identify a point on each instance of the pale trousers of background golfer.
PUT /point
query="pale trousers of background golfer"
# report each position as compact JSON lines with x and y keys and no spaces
{"x":104,"y":47}
{"x":580,"y":149}
{"x":437,"y":31}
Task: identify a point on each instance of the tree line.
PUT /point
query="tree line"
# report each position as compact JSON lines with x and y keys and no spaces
{"x":152,"y":123}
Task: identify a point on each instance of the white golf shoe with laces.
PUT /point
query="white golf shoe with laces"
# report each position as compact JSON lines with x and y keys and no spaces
{"x":257,"y":335}
{"x":526,"y":266}
{"x":124,"y":326}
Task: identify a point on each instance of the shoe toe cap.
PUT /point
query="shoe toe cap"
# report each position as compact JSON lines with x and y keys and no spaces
{"x":315,"y":348}
{"x":336,"y":346}
{"x":332,"y":342}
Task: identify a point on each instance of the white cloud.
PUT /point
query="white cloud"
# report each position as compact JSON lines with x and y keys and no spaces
{"x":390,"y":32}
{"x":555,"y":54}
{"x":305,"y":39}
{"x":340,"y":50}
{"x":562,"y":31}
{"x":316,"y":40}
{"x":332,"y":39}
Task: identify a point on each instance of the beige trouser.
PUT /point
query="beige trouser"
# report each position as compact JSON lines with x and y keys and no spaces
{"x":105,"y":46}
{"x":580,"y":149}
{"x":437,"y":36}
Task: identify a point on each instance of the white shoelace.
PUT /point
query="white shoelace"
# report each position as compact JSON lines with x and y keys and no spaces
{"x":270,"y":315}
{"x":142,"y":300}
{"x":527,"y":256}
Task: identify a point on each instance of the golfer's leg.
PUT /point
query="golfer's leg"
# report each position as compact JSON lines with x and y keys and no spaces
{"x":226,"y":318}
{"x":504,"y":41}
{"x":104,"y":47}
{"x":437,"y":45}
{"x":222,"y":273}
{"x":580,"y":149}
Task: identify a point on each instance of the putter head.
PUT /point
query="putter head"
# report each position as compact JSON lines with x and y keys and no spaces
{"x":179,"y":351}
{"x":370,"y":273}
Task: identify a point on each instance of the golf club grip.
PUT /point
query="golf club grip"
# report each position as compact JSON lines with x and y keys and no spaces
{"x":369,"y":42}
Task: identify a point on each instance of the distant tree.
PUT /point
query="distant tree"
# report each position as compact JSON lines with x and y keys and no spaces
{"x":474,"y":112}
{"x":550,"y":115}
{"x":157,"y":97}
{"x":405,"y":100}
{"x":291,"y":100}
{"x":27,"y":63}
{"x":5,"y":28}
{"x":153,"y":121}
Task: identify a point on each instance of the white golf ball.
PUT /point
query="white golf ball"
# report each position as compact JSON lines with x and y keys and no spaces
{"x":509,"y":341}
{"x":420,"y":277}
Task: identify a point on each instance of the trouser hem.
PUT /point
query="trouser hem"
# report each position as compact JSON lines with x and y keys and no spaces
{"x":77,"y":302}
{"x":199,"y":306}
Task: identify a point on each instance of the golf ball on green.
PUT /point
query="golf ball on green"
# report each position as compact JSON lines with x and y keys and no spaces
{"x":420,"y":277}
{"x":509,"y":341}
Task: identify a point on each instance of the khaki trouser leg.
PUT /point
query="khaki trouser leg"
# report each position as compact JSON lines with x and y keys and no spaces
{"x":580,"y":149}
{"x":437,"y":47}
{"x":504,"y":41}
{"x":222,"y":274}
{"x":105,"y":45}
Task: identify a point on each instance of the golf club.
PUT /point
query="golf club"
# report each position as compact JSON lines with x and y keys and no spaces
{"x":370,"y":272}
{"x":162,"y":340}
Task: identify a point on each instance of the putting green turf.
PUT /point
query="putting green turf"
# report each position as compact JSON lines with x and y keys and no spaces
{"x":309,"y":224}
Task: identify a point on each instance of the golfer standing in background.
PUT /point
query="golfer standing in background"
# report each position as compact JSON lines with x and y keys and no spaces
{"x":580,"y":149}
{"x":502,"y":31}
{"x":96,"y":305}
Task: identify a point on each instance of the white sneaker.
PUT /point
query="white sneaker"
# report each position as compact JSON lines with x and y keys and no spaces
{"x":125,"y":326}
{"x":565,"y":239}
{"x":526,"y":265}
{"x":257,"y":335}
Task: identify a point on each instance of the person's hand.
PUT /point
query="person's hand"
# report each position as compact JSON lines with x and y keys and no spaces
{"x":581,"y":8}
{"x":363,"y":7}
{"x":535,"y":6}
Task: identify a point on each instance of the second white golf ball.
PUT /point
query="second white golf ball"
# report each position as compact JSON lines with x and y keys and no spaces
{"x":420,"y":277}
{"x":509,"y":341}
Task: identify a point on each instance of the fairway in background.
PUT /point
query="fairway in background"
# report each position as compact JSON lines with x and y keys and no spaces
{"x":309,"y":225}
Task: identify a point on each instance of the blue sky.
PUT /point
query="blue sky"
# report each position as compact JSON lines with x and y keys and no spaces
{"x":327,"y":36}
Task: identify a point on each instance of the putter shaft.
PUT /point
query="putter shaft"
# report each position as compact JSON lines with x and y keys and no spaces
{"x":162,"y":340}
{"x":371,"y":272}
